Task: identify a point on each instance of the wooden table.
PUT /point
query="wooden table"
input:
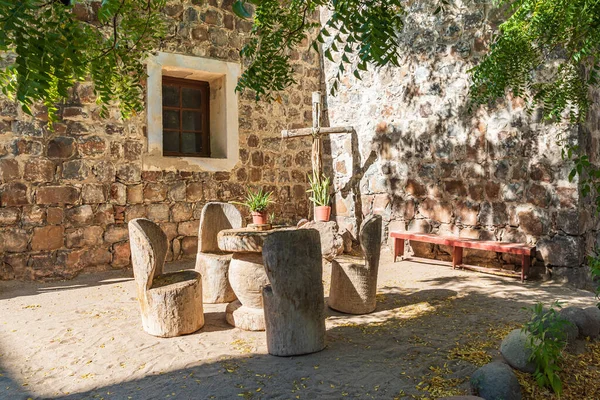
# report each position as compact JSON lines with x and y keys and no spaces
{"x":247,"y":276}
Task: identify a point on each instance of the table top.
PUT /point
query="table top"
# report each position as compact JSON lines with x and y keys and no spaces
{"x":246,"y":240}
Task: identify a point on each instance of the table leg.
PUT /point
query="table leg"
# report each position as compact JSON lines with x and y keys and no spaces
{"x":457,"y":256}
{"x":525,"y":262}
{"x":398,"y":248}
{"x":247,"y":277}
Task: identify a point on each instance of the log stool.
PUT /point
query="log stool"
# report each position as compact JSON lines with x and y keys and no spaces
{"x":354,"y":279}
{"x":211,"y":262}
{"x":171,"y":304}
{"x":293,"y":301}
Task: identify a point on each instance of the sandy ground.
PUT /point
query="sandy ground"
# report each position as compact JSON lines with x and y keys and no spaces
{"x":83,"y":339}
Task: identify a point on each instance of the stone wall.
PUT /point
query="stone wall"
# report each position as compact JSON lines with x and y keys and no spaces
{"x":426,"y":163}
{"x":67,"y":194}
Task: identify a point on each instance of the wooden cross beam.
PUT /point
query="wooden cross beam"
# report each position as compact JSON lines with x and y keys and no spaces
{"x":317,"y":133}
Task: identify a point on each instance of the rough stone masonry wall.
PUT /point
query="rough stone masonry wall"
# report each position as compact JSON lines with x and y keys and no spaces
{"x":426,"y":164}
{"x":66,"y":195}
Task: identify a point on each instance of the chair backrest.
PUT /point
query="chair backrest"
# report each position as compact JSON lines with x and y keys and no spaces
{"x":216,"y":217}
{"x":148,"y":251}
{"x":294,"y":265}
{"x":370,"y":240}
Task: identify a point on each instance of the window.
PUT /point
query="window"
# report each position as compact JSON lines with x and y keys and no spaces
{"x":186,"y":127}
{"x":213,"y":143}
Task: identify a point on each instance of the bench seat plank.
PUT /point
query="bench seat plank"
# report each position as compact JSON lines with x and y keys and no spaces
{"x":500,"y":247}
{"x":424,"y":237}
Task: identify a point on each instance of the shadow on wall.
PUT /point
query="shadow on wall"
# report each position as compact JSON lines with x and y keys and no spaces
{"x":496,"y":173}
{"x":493,"y":177}
{"x":474,"y":180}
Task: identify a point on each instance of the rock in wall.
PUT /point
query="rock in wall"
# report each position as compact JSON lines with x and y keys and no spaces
{"x":67,"y":194}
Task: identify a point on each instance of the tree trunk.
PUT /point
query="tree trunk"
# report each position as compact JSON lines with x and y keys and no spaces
{"x":354,"y":279}
{"x":293,"y":302}
{"x":176,"y":308}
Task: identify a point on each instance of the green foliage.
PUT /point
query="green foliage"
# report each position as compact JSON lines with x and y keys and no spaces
{"x":587,"y":173}
{"x":49,"y":49}
{"x":594,"y":262}
{"x":319,"y":187}
{"x":547,"y":341}
{"x":363,"y":32}
{"x":547,"y":53}
{"x":256,"y":201}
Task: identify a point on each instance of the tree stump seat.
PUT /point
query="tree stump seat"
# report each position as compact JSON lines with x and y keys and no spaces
{"x":212,"y":262}
{"x":177,"y":279}
{"x":458,"y":244}
{"x":171,"y":303}
{"x":354,"y":277}
{"x":293,"y":302}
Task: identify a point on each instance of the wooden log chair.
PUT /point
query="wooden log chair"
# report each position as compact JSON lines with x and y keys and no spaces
{"x":293,"y":301}
{"x":354,"y":278}
{"x":211,"y":262}
{"x":171,"y":303}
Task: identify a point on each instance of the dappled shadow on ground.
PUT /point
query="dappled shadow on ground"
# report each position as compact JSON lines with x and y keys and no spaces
{"x":10,"y":388}
{"x":88,"y":343}
{"x":384,"y":355}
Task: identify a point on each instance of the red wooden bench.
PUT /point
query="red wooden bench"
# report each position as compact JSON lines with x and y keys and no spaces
{"x":459,"y":244}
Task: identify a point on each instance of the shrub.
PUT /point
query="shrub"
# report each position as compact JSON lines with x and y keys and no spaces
{"x":547,"y":339}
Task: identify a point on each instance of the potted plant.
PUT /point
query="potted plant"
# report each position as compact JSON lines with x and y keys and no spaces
{"x":319,"y":187}
{"x":257,"y":202}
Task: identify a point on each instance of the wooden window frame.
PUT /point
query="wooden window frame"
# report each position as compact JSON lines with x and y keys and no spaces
{"x":204,"y":109}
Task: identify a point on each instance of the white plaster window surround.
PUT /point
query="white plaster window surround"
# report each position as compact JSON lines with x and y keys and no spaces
{"x":224,"y":125}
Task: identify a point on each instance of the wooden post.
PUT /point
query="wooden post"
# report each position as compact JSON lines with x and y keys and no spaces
{"x":317,"y":159}
{"x":398,"y":248}
{"x":526,"y":260}
{"x":317,"y":134}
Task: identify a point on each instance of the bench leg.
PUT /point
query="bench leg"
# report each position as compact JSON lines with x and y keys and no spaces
{"x":398,"y":248}
{"x":457,"y":256}
{"x":525,"y":262}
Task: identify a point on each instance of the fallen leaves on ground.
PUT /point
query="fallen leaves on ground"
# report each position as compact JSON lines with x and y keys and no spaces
{"x":580,"y":376}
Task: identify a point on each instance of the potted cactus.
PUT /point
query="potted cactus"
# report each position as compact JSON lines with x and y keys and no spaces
{"x":320,"y":196}
{"x":257,"y":202}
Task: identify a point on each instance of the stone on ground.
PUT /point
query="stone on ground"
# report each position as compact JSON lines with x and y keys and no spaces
{"x":580,"y":318}
{"x":570,"y":330}
{"x":515,"y":350}
{"x":461,"y":398}
{"x":593,"y":314}
{"x":496,"y":381}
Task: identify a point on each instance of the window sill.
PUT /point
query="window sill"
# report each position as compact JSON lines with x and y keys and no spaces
{"x":154,"y":160}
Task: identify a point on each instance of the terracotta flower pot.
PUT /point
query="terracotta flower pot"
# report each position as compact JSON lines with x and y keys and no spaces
{"x":259,"y":218}
{"x":322,"y":213}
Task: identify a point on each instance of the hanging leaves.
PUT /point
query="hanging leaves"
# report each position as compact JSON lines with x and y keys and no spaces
{"x":54,"y":49}
{"x":523,"y":58}
{"x":280,"y":27}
